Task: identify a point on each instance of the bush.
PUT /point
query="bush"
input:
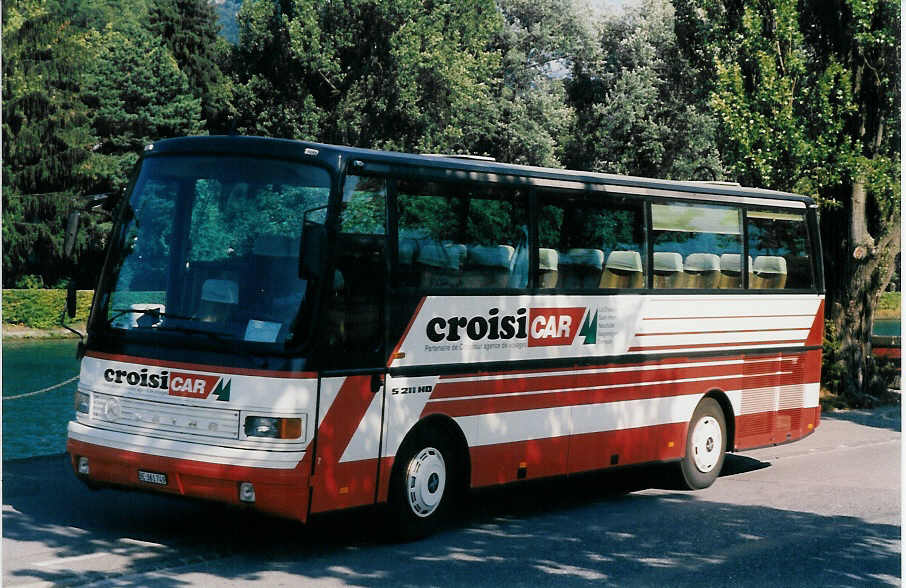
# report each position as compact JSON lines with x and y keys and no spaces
{"x":30,"y":282}
{"x":41,"y":309}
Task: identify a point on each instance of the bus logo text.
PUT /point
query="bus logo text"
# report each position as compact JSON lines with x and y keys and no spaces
{"x":539,"y":326}
{"x":184,"y":384}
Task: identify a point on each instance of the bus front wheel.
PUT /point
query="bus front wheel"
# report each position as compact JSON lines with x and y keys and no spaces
{"x":706,"y":443}
{"x":423,"y":484}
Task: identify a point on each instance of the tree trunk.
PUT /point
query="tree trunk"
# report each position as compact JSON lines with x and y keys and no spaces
{"x":854,"y":286}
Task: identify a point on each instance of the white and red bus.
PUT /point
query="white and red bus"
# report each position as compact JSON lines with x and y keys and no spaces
{"x":305,"y":328}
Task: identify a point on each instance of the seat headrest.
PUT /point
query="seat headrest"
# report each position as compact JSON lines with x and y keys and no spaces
{"x":447,"y":255}
{"x":667,"y":261}
{"x":589,"y":257}
{"x":548,"y":259}
{"x":769,"y":264}
{"x":627,"y":261}
{"x":491,"y":255}
{"x":730,"y":262}
{"x":702,"y":262}
{"x":222,"y":291}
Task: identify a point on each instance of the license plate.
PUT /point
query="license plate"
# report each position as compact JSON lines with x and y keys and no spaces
{"x":152,"y":477}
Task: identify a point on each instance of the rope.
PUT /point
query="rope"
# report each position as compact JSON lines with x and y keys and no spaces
{"x":42,"y":390}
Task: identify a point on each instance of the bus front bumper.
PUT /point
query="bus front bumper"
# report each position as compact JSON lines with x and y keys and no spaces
{"x":112,"y":458}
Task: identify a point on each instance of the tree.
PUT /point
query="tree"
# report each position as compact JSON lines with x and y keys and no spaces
{"x":539,"y":41}
{"x":46,"y":136}
{"x":137,"y":94}
{"x":399,"y":74}
{"x":807,"y":95}
{"x":188,"y":28}
{"x":636,"y":112}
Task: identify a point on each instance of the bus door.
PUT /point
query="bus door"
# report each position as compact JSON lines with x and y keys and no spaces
{"x":348,"y":441}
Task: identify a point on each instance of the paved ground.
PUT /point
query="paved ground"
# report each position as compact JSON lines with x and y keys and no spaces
{"x":821,"y":512}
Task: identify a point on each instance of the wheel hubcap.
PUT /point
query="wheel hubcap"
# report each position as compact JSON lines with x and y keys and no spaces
{"x":707,"y":444}
{"x":426,"y":478}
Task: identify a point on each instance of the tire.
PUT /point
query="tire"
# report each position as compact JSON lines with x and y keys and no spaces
{"x":706,"y":443}
{"x":424,"y":484}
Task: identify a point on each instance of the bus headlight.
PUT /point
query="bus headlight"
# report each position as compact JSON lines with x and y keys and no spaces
{"x":273,"y":427}
{"x":82,"y":402}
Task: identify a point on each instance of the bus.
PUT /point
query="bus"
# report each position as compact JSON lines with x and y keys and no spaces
{"x":302,"y":328}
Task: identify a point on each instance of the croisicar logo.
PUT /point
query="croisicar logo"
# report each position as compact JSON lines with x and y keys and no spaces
{"x":539,"y":326}
{"x":185,"y":384}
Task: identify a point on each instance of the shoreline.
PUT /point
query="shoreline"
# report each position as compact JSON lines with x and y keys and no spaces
{"x":19,"y":332}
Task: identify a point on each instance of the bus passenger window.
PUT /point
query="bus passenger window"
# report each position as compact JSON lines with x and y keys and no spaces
{"x":690,"y":240}
{"x":595,"y":243}
{"x":455,"y":236}
{"x":779,"y":244}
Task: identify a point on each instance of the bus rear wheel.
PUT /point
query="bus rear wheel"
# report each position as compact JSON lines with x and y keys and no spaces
{"x":423,"y":484}
{"x":706,"y":443}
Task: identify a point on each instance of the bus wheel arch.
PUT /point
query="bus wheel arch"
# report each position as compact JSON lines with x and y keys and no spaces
{"x":707,"y":439}
{"x":430,"y":474}
{"x":729,"y":416}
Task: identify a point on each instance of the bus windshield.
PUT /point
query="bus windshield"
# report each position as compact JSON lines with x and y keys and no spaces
{"x":209,"y":246}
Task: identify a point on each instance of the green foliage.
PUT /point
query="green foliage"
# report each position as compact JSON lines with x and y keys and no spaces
{"x":539,"y":42}
{"x":396,"y":75}
{"x":136,"y":94}
{"x":636,"y":112}
{"x":41,"y":309}
{"x":188,"y":28}
{"x":46,"y":135}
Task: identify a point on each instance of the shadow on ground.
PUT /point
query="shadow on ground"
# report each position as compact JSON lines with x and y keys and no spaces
{"x":889,"y":418}
{"x":590,"y":530}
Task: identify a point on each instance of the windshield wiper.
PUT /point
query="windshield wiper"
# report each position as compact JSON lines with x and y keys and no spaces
{"x":152,"y":312}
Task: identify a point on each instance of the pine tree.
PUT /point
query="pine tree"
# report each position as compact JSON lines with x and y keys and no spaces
{"x":189,"y":28}
{"x":137,"y":94}
{"x":46,"y":136}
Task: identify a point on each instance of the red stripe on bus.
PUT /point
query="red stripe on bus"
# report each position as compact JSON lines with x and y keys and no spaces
{"x":716,"y":345}
{"x":219,"y":369}
{"x":519,"y":383}
{"x":720,"y":332}
{"x":816,"y":333}
{"x":698,"y":318}
{"x":659,"y":370}
{"x":521,"y":402}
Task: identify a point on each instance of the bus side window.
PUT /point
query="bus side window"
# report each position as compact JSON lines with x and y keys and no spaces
{"x":690,"y":243}
{"x":588,"y":243}
{"x":454,"y":236}
{"x":779,"y":244}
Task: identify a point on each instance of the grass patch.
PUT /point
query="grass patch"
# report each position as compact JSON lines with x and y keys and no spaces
{"x":889,"y":306}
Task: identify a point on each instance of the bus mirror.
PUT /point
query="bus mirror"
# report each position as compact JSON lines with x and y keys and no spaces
{"x":314,"y":247}
{"x":71,"y":299}
{"x":72,"y":230}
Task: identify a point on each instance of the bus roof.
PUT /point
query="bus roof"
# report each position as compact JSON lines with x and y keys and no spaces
{"x":476,"y":169}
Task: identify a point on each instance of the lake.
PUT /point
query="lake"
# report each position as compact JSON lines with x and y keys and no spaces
{"x":36,"y":425}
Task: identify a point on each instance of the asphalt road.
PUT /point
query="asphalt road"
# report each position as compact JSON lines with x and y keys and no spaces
{"x":824,"y":511}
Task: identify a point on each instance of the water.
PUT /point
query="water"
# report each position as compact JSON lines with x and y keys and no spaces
{"x":36,"y":425}
{"x":888,"y":327}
